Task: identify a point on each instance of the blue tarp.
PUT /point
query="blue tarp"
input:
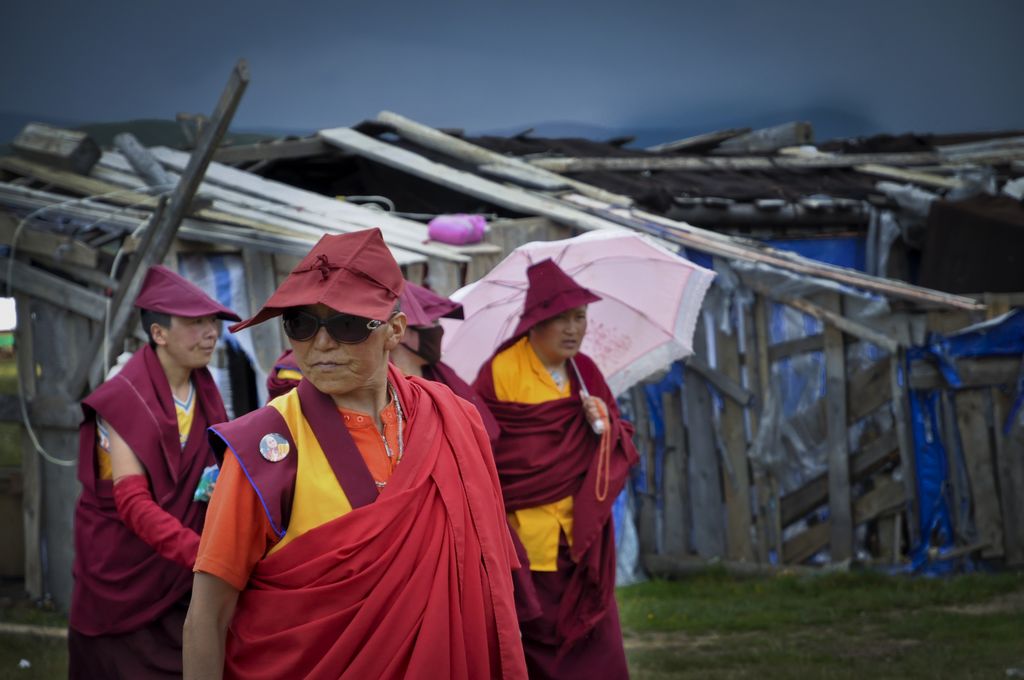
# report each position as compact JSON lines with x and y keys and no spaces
{"x":1000,"y":337}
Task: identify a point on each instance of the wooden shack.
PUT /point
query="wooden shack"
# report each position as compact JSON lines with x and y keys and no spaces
{"x":732,"y":470}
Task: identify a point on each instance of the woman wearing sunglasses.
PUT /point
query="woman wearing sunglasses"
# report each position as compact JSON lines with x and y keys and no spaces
{"x":357,"y":528}
{"x":562,"y":457}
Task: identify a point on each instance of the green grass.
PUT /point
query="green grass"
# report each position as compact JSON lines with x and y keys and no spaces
{"x":48,"y":656}
{"x":827,"y":626}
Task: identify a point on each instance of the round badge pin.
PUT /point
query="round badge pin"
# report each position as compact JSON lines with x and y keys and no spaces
{"x":274,"y":447}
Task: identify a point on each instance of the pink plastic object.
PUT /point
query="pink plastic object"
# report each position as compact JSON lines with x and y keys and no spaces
{"x":457,"y":230}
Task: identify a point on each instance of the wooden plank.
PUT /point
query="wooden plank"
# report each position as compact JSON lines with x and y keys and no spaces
{"x":701,"y":140}
{"x":703,"y":472}
{"x":976,"y":443}
{"x":901,"y":417}
{"x":863,"y":462}
{"x":888,"y":549}
{"x":736,"y":477}
{"x":726,"y":386}
{"x":278,"y":149}
{"x":60,"y":344}
{"x":510,"y":197}
{"x":66,"y":149}
{"x":793,"y":133}
{"x":828,"y":316}
{"x":526,"y":178}
{"x":887,"y":496}
{"x":715,"y":163}
{"x":647,"y":515}
{"x":841,"y":523}
{"x":160,"y":235}
{"x":31,"y":465}
{"x":471,"y":153}
{"x":751,"y":371}
{"x":981,"y":372}
{"x":1010,"y":467}
{"x":913,"y":176}
{"x":37,"y":241}
{"x":34,"y":282}
{"x":868,"y":390}
{"x":732,"y":248}
{"x":768,"y":485}
{"x":333,"y":216}
{"x":789,"y":348}
{"x":676,"y":524}
{"x":510,"y":234}
{"x":443,"y":277}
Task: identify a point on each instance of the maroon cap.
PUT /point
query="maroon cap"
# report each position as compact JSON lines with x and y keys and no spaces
{"x":551,"y":292}
{"x":168,"y":293}
{"x":424,"y":307}
{"x":350,"y":273}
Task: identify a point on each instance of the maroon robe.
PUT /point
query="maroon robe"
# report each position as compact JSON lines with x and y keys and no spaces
{"x":547,"y":452}
{"x":443,"y":373}
{"x":121,"y":585}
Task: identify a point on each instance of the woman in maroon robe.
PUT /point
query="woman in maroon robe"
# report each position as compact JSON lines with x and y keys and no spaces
{"x":142,"y":452}
{"x":559,"y":478}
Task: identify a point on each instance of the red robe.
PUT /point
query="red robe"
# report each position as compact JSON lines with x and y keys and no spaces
{"x":120,"y":583}
{"x":546,"y":452}
{"x":416,"y":583}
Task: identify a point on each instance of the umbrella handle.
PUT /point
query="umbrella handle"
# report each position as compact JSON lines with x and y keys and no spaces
{"x":598,"y":425}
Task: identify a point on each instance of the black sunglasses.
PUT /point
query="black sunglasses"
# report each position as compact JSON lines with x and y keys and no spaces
{"x":344,"y":328}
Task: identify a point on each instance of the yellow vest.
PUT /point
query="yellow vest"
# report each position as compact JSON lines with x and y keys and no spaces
{"x":519,"y":376}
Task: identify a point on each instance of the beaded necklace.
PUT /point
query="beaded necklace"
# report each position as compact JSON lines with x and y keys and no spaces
{"x":400,"y":417}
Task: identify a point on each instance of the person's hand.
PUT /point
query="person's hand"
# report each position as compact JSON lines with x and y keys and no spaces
{"x":594,"y":408}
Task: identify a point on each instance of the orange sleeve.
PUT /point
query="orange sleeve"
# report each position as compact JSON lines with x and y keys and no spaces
{"x":237,"y":533}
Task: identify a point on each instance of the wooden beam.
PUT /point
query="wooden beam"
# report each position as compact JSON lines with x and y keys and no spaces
{"x":39,"y":284}
{"x":31,"y":464}
{"x":701,"y":140}
{"x":733,"y":248}
{"x":788,"y":348}
{"x":829,"y":317}
{"x":248,"y":191}
{"x":888,"y":495}
{"x":704,"y":474}
{"x":676,"y":493}
{"x":913,"y":176}
{"x":66,"y":149}
{"x":37,"y":241}
{"x":279,"y":149}
{"x":510,"y":197}
{"x":714,"y":163}
{"x":863,"y":462}
{"x":161,"y":232}
{"x":839,"y":506}
{"x":980,"y":372}
{"x":901,"y":417}
{"x":471,"y":153}
{"x":794,"y":133}
{"x":725,"y":385}
{"x":736,"y":472}
{"x":976,"y":444}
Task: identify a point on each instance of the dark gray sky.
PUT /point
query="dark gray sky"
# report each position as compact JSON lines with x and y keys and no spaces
{"x":853,"y":67}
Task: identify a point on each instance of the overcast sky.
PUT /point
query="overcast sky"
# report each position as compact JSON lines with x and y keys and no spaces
{"x":854,"y":67}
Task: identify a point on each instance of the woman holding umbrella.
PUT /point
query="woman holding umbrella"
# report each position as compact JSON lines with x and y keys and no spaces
{"x":562,"y":457}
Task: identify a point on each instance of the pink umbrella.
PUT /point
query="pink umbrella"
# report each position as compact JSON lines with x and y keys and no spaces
{"x":645,"y":320}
